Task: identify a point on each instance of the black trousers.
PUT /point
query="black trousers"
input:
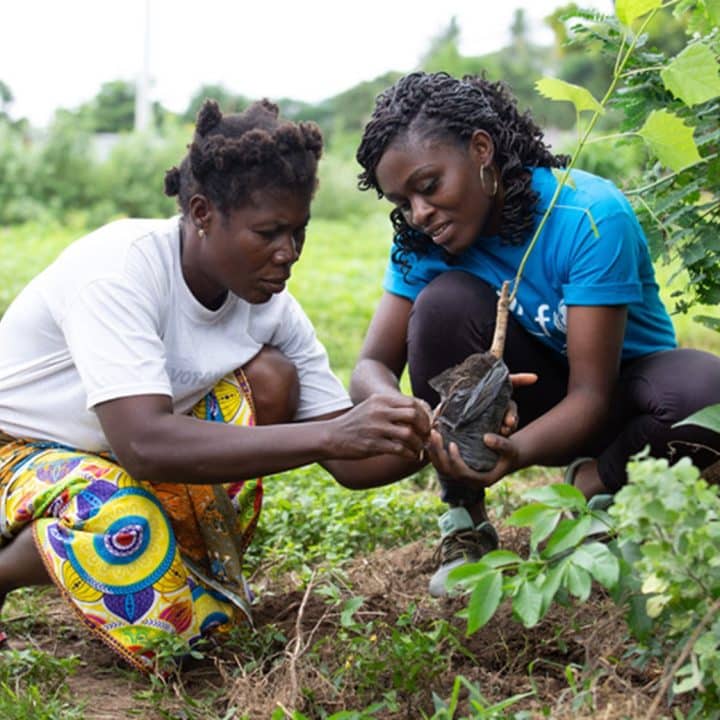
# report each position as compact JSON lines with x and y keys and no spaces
{"x":454,"y":316}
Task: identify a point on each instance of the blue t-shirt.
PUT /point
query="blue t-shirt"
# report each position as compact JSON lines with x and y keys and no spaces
{"x":592,"y":251}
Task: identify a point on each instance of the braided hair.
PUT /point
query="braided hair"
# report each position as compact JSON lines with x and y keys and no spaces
{"x":231,"y":156}
{"x":438,"y":106}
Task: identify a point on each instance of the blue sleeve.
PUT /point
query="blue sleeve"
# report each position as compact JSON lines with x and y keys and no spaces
{"x":604,"y":265}
{"x":408,"y":281}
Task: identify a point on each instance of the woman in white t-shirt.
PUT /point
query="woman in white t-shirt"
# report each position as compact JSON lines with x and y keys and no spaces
{"x":154,"y":372}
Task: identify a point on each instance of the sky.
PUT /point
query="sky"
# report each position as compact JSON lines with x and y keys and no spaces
{"x":57,"y":53}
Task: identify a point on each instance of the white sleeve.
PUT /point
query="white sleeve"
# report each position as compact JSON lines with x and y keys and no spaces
{"x":321,"y":391}
{"x":113,"y":335}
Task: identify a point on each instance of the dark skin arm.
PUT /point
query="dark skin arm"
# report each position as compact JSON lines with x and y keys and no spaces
{"x":595,"y":336}
{"x":384,"y":351}
{"x":374,"y":443}
{"x":383,"y":357}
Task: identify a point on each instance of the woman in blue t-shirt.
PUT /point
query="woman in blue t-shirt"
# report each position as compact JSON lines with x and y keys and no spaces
{"x":470,"y":177}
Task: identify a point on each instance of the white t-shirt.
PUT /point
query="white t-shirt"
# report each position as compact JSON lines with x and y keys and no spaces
{"x":113,"y":317}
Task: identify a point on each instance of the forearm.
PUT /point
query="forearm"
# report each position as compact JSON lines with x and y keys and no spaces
{"x":371,"y":472}
{"x":180,"y":448}
{"x":369,"y":377}
{"x":557,"y":437}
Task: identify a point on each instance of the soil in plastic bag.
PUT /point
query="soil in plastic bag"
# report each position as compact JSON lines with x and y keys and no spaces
{"x":474,"y":396}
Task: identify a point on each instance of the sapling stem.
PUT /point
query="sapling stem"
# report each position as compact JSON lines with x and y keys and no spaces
{"x":501,"y":320}
{"x":620,"y":61}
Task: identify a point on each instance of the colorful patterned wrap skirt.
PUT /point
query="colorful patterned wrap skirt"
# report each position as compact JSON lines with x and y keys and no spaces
{"x":138,"y":562}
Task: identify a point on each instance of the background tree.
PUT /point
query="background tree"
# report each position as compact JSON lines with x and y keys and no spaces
{"x":6,"y":97}
{"x":112,"y":110}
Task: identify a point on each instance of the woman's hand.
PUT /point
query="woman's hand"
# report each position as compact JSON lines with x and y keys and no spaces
{"x":449,"y":462}
{"x":511,"y":419}
{"x":383,"y":424}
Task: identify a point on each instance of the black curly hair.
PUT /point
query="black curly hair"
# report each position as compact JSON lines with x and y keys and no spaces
{"x":233,"y":155}
{"x":440,"y":107}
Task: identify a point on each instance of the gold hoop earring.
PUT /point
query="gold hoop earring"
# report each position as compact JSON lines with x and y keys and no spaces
{"x":494,"y":188}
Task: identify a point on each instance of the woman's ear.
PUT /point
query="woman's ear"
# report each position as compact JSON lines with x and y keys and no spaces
{"x":482,"y":148}
{"x":200,"y":211}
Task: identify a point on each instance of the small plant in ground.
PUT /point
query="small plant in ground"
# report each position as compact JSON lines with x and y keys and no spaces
{"x":563,"y":560}
{"x":669,"y":520}
{"x":169,"y":653}
{"x":481,"y":708}
{"x":374,"y":660}
{"x":33,"y":684}
{"x":254,"y":648}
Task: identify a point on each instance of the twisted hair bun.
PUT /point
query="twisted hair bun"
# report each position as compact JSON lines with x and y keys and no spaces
{"x":172,"y":182}
{"x":208,"y":117}
{"x":231,"y":156}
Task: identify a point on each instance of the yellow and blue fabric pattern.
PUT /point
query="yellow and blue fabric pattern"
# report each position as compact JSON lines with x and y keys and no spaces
{"x":137,"y":561}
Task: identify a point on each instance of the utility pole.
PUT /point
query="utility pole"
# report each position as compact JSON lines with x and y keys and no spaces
{"x":142,"y":86}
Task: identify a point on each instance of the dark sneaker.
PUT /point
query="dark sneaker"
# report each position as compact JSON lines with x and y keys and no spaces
{"x":461,"y":542}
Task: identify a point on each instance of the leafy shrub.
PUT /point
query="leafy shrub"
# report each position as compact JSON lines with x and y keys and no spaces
{"x":130,"y":181}
{"x":668,"y":519}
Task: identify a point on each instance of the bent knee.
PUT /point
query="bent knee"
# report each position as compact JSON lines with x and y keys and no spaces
{"x":454,"y":315}
{"x":275,"y":386}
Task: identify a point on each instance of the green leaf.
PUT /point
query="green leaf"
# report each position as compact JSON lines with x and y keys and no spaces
{"x":543,"y":526}
{"x":578,"y":582}
{"x":551,"y":583}
{"x":708,"y":417}
{"x":629,"y":10}
{"x":579,"y":96}
{"x":498,"y":558}
{"x":654,"y":584}
{"x":484,"y":601}
{"x":637,"y":618}
{"x":527,"y":604}
{"x":349,"y":610}
{"x":560,"y":495}
{"x":568,"y":534}
{"x":693,"y":76}
{"x":692,"y":680}
{"x":468,"y":573}
{"x":670,"y":139}
{"x":600,"y":562}
{"x":655,"y":604}
{"x":527,"y":515}
{"x":712,"y":8}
